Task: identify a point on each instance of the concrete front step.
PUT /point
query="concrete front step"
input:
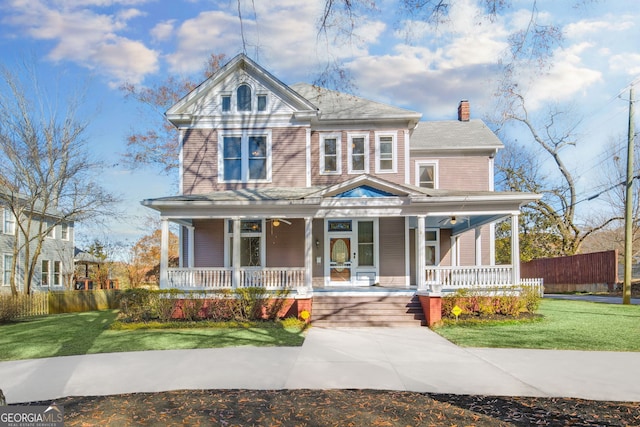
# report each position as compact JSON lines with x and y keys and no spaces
{"x":362,"y":311}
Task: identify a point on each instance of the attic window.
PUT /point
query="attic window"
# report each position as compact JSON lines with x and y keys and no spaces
{"x":262,"y":102}
{"x":244,"y":98}
{"x":226,"y":102}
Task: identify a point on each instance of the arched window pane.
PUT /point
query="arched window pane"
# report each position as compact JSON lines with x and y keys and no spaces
{"x":244,"y":98}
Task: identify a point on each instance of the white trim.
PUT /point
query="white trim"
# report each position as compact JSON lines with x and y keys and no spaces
{"x":181,"y":160}
{"x":308,"y":155}
{"x":420,"y":254}
{"x":338,"y":138}
{"x":491,"y":174}
{"x":478,"y":246}
{"x":244,"y":156}
{"x":436,"y":173}
{"x":11,"y":219}
{"x":6,"y":269}
{"x":350,"y":137}
{"x":394,"y":152}
{"x":407,"y":157}
{"x":48,"y":273}
{"x":492,"y":243}
{"x":436,"y":243}
{"x":407,"y":251}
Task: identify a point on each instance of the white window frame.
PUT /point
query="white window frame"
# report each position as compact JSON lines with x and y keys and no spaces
{"x":338,"y":138}
{"x":8,"y":218}
{"x":42,"y":273}
{"x":266,"y":102}
{"x":350,"y":138}
{"x":244,"y":156}
{"x":64,"y":229}
{"x":56,"y":277}
{"x":434,"y":163}
{"x":432,"y":243}
{"x":228,"y":249}
{"x":6,"y":269}
{"x":394,"y":152}
{"x":50,"y":230}
{"x":226,"y":95}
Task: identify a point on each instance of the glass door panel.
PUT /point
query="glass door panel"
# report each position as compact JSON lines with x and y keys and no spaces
{"x":340,"y":259}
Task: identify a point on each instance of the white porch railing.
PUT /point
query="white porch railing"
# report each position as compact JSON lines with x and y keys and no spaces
{"x":470,"y":277}
{"x":222,"y":278}
{"x":200,"y":278}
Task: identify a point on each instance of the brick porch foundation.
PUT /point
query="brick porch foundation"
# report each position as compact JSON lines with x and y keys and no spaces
{"x":432,"y":307}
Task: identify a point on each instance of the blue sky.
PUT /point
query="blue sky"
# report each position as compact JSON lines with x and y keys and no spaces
{"x":104,"y":43}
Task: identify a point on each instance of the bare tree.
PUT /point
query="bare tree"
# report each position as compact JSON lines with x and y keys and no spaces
{"x":157,"y":144}
{"x":47,"y":175}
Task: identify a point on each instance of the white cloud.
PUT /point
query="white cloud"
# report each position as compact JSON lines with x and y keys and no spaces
{"x":628,"y":63}
{"x":87,"y":38}
{"x":584,"y":28}
{"x":163,"y":30}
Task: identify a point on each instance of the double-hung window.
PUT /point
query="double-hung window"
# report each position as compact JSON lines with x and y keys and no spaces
{"x":8,"y":222}
{"x":44,"y":277}
{"x":386,"y":153}
{"x":251,"y":243}
{"x":64,"y":231}
{"x":6,"y":269}
{"x":244,"y":156}
{"x":56,"y":273}
{"x":358,"y":153}
{"x":50,"y":230}
{"x":427,"y":174}
{"x":330,"y":154}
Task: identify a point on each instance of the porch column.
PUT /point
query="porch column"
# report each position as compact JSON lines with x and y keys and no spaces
{"x":236,"y":253}
{"x":407,"y":251}
{"x":191,"y":246}
{"x":478,"y":232}
{"x":515,"y":249}
{"x":420,"y":262}
{"x":454,"y":251}
{"x":164,"y":253}
{"x":308,"y":253}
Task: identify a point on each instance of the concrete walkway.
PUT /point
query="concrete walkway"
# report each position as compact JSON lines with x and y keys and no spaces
{"x":413,"y":359}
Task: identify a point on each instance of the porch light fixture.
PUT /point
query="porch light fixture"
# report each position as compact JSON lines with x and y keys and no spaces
{"x":276,"y":222}
{"x":453,"y":220}
{"x":317,"y":243}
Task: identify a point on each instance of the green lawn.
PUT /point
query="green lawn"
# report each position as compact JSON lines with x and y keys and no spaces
{"x":567,"y":325}
{"x":85,"y":333}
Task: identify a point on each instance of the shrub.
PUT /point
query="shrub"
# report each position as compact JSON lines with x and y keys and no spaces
{"x":10,"y":308}
{"x":293,"y":324}
{"x":531,"y":298}
{"x":504,"y":301}
{"x":165,"y":304}
{"x":137,"y":305}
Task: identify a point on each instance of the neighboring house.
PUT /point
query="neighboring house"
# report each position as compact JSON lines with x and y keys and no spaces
{"x":306,"y":188}
{"x":54,"y":267}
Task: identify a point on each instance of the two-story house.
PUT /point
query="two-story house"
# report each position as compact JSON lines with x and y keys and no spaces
{"x":53,"y":268}
{"x":306,"y":188}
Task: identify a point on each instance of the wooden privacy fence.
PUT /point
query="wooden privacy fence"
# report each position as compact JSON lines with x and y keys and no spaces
{"x":597,"y":271}
{"x":74,"y":301}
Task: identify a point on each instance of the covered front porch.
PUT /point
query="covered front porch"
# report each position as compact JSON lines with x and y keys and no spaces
{"x":361,"y":233}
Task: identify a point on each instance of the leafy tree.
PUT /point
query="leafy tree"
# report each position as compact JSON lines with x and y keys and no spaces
{"x":47,"y":175}
{"x":143,"y":265}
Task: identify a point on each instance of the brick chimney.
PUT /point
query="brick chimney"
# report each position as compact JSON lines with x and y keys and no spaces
{"x":464,"y":111}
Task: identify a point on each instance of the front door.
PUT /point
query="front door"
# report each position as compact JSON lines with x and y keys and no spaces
{"x":340,"y":259}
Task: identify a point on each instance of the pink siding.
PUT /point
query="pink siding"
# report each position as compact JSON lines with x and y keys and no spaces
{"x":209,"y":243}
{"x":317,"y":179}
{"x":468,"y":247}
{"x":458,"y":173}
{"x":200,"y":161}
{"x":392,"y":256}
{"x":285,"y":244}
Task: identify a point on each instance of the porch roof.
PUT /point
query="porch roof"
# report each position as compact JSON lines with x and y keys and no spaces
{"x":471,"y":208}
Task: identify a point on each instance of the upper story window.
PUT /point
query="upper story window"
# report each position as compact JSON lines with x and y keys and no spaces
{"x":50,"y":230}
{"x":244,"y":156}
{"x":226,"y":103}
{"x":8,"y":222}
{"x":386,"y":157}
{"x":64,"y":231}
{"x":330,"y":155}
{"x":244,"y":98}
{"x":262,"y":102}
{"x":427,"y":174}
{"x":358,"y":153}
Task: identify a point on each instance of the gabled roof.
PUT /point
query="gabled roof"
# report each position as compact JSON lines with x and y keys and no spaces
{"x":334,"y":105}
{"x":453,"y":135}
{"x":240,"y":63}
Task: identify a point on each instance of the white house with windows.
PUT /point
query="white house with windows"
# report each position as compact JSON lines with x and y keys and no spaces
{"x":54,"y":267}
{"x":296,"y":186}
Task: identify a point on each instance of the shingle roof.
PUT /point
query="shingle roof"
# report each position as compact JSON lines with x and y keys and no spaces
{"x":453,"y":134}
{"x":342,"y":106}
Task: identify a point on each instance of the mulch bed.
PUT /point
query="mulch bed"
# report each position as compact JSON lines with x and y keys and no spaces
{"x":338,"y":408}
